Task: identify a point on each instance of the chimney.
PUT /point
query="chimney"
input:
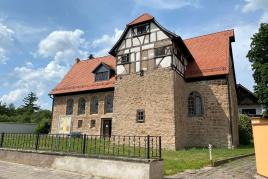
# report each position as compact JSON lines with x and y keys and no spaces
{"x":77,"y":60}
{"x":90,"y":56}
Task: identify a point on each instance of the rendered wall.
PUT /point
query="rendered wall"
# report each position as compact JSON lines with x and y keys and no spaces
{"x":118,"y":169}
{"x":260,"y":135}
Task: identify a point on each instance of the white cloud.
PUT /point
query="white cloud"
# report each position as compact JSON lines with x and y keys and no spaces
{"x":3,"y":57}
{"x":6,"y":40}
{"x":167,"y":4}
{"x":13,"y":95}
{"x":103,"y":44}
{"x":108,"y":40}
{"x":243,"y":33}
{"x":62,"y":47}
{"x":254,"y":5}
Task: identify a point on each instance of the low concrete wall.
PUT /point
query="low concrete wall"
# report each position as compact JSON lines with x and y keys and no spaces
{"x":107,"y":168}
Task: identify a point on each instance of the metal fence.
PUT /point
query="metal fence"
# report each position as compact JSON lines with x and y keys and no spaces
{"x":144,"y":147}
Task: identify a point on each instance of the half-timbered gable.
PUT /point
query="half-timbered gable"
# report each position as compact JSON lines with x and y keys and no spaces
{"x":146,"y":45}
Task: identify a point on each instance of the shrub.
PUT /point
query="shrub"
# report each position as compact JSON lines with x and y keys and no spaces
{"x":43,"y":126}
{"x":245,"y":130}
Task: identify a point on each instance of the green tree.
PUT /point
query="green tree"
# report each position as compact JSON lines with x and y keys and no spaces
{"x":258,"y":56}
{"x":30,"y":103}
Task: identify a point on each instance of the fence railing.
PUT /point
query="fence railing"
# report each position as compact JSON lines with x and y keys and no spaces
{"x":144,"y":147}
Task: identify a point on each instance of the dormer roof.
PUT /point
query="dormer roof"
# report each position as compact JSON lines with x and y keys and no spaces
{"x":81,"y":77}
{"x":102,"y":64}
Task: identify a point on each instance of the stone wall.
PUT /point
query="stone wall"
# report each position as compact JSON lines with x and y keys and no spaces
{"x":153,"y":92}
{"x":60,"y":109}
{"x":163,"y":94}
{"x":233,"y":104}
{"x":213,"y":127}
{"x":180,"y":111}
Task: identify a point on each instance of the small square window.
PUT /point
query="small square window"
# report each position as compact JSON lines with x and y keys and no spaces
{"x":125,"y":59}
{"x":162,"y":51}
{"x":92,"y":123}
{"x":140,"y":116}
{"x":80,"y":123}
{"x":141,"y":30}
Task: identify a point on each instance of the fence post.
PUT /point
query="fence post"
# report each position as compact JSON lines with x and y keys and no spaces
{"x":2,"y":139}
{"x":37,"y":141}
{"x":148,"y":146}
{"x":84,"y":143}
{"x":160,"y":148}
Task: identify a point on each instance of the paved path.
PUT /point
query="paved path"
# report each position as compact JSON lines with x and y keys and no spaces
{"x":239,"y":169}
{"x":18,"y":171}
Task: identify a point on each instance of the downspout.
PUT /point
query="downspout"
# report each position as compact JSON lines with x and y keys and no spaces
{"x":52,"y":109}
{"x":230,"y":113}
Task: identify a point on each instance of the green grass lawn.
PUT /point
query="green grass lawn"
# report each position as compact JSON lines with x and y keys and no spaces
{"x":195,"y":158}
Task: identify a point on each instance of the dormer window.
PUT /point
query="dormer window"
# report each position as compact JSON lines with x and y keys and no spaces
{"x":102,"y":76}
{"x":140,"y":30}
{"x":103,"y":72}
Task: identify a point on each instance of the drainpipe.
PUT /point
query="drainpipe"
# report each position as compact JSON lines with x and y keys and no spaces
{"x":230,"y":113}
{"x":52,"y":109}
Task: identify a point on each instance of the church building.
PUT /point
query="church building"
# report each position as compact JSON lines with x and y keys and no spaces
{"x":154,"y":83}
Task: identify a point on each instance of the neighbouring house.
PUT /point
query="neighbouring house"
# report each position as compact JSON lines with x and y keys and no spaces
{"x":154,"y":83}
{"x":247,"y":102}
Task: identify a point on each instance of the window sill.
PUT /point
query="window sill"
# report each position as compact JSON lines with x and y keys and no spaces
{"x":81,"y":115}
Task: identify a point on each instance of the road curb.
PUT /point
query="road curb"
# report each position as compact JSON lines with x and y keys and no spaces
{"x":220,"y":162}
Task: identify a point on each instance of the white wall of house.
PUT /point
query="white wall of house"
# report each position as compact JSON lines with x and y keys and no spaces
{"x":258,"y":108}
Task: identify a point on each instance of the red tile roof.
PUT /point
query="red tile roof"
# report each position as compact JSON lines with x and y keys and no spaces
{"x":143,"y":18}
{"x":81,"y":78}
{"x":211,"y":53}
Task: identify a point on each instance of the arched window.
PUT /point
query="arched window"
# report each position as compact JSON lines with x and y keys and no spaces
{"x":109,"y":104}
{"x":81,"y":106}
{"x":69,"y":107}
{"x":195,"y":105}
{"x":94,"y":105}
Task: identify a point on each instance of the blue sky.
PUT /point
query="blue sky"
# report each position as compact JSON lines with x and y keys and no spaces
{"x":39,"y":40}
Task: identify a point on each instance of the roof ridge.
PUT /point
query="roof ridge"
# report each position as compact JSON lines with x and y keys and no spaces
{"x":95,"y":58}
{"x":139,"y":17}
{"x":199,"y":36}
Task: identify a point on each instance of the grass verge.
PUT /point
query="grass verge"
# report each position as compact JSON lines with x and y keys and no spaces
{"x":195,"y":158}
